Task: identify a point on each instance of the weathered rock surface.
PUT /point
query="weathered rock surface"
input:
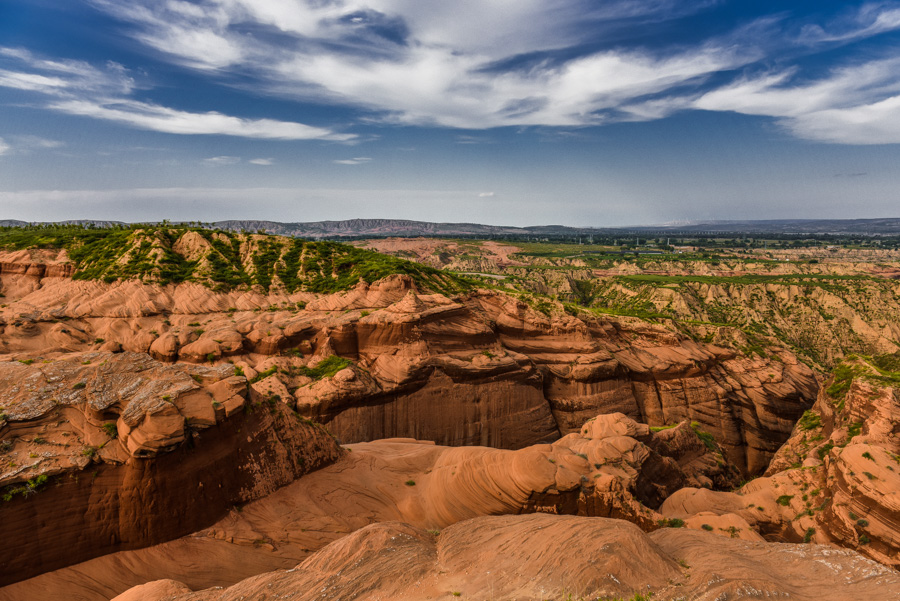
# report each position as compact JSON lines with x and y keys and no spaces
{"x":598,"y":473}
{"x":125,"y":404}
{"x":482,"y":369}
{"x":837,"y":480}
{"x":540,"y":556}
{"x":103,"y":452}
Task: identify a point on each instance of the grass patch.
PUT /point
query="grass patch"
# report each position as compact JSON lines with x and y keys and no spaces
{"x":810,"y":420}
{"x":705,"y":437}
{"x":326,"y":368}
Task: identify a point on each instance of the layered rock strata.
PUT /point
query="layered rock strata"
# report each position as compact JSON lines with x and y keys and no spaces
{"x":609,"y":469}
{"x":836,"y":480}
{"x":480,"y":369}
{"x":103,"y":452}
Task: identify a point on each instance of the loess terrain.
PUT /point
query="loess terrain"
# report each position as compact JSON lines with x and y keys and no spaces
{"x":201,"y":414}
{"x":822,"y":302}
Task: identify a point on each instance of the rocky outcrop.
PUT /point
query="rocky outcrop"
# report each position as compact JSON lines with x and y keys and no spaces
{"x":540,"y":556}
{"x":480,"y":369}
{"x":658,"y":377}
{"x":103,"y":452}
{"x":836,"y":480}
{"x":608,"y":470}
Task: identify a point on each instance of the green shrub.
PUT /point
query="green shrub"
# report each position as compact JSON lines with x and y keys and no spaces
{"x":326,"y":368}
{"x":809,"y":534}
{"x":842,"y":380}
{"x":810,"y":420}
{"x":705,"y":437}
{"x":784,"y":500}
{"x":824,"y":450}
{"x":264,"y":374}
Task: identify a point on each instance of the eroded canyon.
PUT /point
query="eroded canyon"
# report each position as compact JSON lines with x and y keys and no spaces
{"x":195,"y":409}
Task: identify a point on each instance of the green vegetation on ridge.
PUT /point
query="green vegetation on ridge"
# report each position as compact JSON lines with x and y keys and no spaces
{"x":222,"y":260}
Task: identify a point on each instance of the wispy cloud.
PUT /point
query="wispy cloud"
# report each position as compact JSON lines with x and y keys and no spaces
{"x":477,"y":65}
{"x":26,"y":144}
{"x":261,"y":161}
{"x":871,"y":19}
{"x":857,"y":104}
{"x":222,"y":160}
{"x":36,"y":142}
{"x":432,"y":63}
{"x":78,"y":88}
{"x":354,"y":161}
{"x":160,"y":118}
{"x":485,"y":195}
{"x":467,"y":139}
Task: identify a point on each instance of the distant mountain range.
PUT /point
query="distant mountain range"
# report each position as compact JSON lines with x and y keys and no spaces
{"x":360,"y":228}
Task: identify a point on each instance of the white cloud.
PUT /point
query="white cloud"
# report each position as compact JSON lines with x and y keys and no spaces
{"x":222,"y":160}
{"x":869,"y":20}
{"x":77,"y":88}
{"x":437,"y":63}
{"x":27,"y":144}
{"x":466,"y":139}
{"x":875,"y":123}
{"x":852,"y":105}
{"x":354,"y":161}
{"x":261,"y":161}
{"x":163,"y":119}
{"x":38,"y":143}
{"x":30,"y":82}
{"x":472,"y":65}
{"x":485,"y":195}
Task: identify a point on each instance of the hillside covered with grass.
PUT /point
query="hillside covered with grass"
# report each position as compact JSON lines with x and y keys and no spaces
{"x":223,"y":260}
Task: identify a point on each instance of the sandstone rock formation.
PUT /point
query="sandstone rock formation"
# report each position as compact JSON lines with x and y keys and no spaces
{"x":540,"y":556}
{"x":103,"y":452}
{"x":483,"y":368}
{"x":126,"y":403}
{"x":601,"y":471}
{"x":837,"y":480}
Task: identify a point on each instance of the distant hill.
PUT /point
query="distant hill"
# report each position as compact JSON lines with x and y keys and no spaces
{"x":375,"y":227}
{"x":402,"y":227}
{"x":361,"y":228}
{"x":867,"y":227}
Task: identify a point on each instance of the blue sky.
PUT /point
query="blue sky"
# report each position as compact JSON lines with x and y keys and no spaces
{"x":519,"y":112}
